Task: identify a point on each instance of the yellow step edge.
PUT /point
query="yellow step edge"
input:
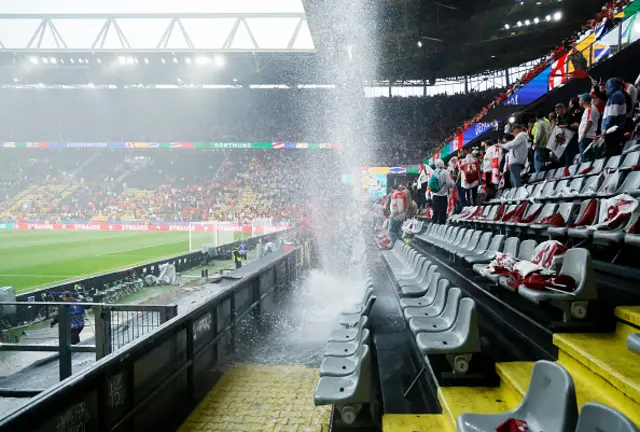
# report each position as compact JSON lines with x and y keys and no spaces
{"x":630,"y":314}
{"x":413,"y":423}
{"x":589,"y":388}
{"x":599,"y":390}
{"x":476,"y":400}
{"x":607,"y":356}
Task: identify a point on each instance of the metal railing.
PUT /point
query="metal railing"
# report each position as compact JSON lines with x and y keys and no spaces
{"x":114,"y":327}
{"x":155,"y":382}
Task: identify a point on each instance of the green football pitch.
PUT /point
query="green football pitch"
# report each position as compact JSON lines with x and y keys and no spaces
{"x":32,"y":259}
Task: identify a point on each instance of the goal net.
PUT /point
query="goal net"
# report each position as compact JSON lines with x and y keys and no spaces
{"x":220,"y":233}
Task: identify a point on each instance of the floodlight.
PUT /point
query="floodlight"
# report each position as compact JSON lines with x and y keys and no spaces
{"x":536,"y":20}
{"x":512,"y":119}
{"x":507,"y":26}
{"x":557,"y":16}
{"x":34,"y":60}
{"x":548,"y":18}
{"x":519,"y":23}
{"x":527,"y":22}
{"x":219,"y":60}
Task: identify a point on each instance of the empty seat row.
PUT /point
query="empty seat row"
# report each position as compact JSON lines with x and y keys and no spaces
{"x":624,"y":162}
{"x":412,"y":226}
{"x":601,"y":186}
{"x":441,"y":320}
{"x":346,"y":368}
{"x":550,"y":404}
{"x":479,"y":248}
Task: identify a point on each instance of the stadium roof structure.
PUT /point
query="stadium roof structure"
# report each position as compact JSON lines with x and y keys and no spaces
{"x":124,"y":26}
{"x":271,"y":43}
{"x":445,"y":38}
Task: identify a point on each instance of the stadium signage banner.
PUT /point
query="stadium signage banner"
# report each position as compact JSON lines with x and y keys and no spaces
{"x":143,"y":227}
{"x":175,"y":145}
{"x":6,"y":226}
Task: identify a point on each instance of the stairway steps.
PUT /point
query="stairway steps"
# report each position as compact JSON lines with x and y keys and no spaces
{"x":517,"y":375}
{"x":413,"y":422}
{"x":476,"y":400}
{"x":605,"y":361}
{"x":630,"y":315}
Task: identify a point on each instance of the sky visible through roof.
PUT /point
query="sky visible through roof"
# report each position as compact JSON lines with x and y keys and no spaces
{"x":239,"y":25}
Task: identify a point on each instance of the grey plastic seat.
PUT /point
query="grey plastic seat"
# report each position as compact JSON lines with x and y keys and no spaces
{"x":595,"y":417}
{"x":631,"y":185}
{"x":490,"y":218}
{"x":548,"y":210}
{"x":577,"y":264}
{"x":357,"y":308}
{"x":532,"y":212}
{"x":352,"y":319}
{"x":459,"y":238}
{"x":571,"y":190}
{"x":615,"y":235}
{"x":412,"y":269}
{"x":537,"y":190}
{"x":630,"y":146}
{"x":597,"y":167}
{"x":511,"y":247}
{"x":525,"y":253}
{"x":633,"y":342}
{"x":589,"y":187}
{"x":426,"y":299}
{"x":470,"y":245}
{"x":612,"y":163}
{"x":584,"y":168}
{"x":481,"y":246}
{"x":549,"y":404}
{"x":610,"y":185}
{"x":342,"y":366}
{"x":550,"y":175}
{"x":421,"y":279}
{"x":435,"y":299}
{"x":348,"y":335}
{"x":547,"y":190}
{"x":630,"y":160}
{"x":520,"y":194}
{"x":442,"y":322}
{"x":415,"y":271}
{"x":463,"y":243}
{"x":572,"y":170}
{"x":348,"y":348}
{"x":584,"y":232}
{"x":356,"y":388}
{"x":508,"y":210}
{"x":462,"y":338}
{"x":489,"y":254}
{"x":576,"y":214}
{"x":422,"y":289}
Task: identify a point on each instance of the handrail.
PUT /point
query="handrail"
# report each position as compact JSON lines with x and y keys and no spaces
{"x":172,"y":350}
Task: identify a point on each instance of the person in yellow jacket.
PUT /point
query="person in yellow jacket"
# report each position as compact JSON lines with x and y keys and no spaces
{"x":237,"y":257}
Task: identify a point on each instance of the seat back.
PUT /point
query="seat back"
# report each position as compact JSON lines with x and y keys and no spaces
{"x":451,"y":234}
{"x":548,"y":189}
{"x":466,"y":239}
{"x":537,"y":189}
{"x":559,"y":173}
{"x":452,"y":304}
{"x":562,"y":185}
{"x":432,"y":290}
{"x":598,"y":166}
{"x":576,"y":184}
{"x":521,"y":194}
{"x":529,"y":188}
{"x":483,"y":243}
{"x":590,"y":184}
{"x":550,"y":398}
{"x":631,"y":184}
{"x":610,"y":184}
{"x":630,"y":160}
{"x":572,"y":170}
{"x":525,"y":252}
{"x":493,"y":212}
{"x":496,"y":243}
{"x":440,"y":296}
{"x":486,"y":211}
{"x":613,"y":163}
{"x":595,"y":417}
{"x":473,"y":242}
{"x":547,"y":210}
{"x":577,"y":264}
{"x":550,"y":175}
{"x":511,"y":246}
{"x":532,"y":209}
{"x":508,"y":194}
{"x":566,"y":210}
{"x":465,"y":326}
{"x":584,"y":166}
